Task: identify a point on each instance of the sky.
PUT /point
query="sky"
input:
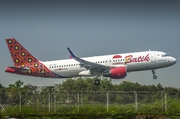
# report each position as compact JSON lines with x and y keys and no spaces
{"x":91,"y":28}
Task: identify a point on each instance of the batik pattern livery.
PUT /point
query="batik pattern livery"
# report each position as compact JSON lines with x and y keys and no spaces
{"x":23,"y":59}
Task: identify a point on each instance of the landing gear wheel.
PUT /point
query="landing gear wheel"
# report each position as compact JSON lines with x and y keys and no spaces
{"x":153,"y":72}
{"x":96,"y":82}
{"x":154,"y":77}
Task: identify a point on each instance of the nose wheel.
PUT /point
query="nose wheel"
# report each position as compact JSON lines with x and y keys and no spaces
{"x":154,"y":75}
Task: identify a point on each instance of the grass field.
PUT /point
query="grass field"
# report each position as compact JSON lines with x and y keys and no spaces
{"x":145,"y":111}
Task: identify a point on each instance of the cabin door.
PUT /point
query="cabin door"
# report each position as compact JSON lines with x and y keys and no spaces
{"x":153,"y":57}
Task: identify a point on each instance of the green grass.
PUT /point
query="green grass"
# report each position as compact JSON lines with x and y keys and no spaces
{"x":96,"y":111}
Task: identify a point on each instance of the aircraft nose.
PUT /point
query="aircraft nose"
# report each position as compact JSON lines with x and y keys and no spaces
{"x":173,"y":60}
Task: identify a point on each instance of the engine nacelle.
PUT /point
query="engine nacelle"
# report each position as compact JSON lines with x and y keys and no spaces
{"x":85,"y":73}
{"x":117,"y":72}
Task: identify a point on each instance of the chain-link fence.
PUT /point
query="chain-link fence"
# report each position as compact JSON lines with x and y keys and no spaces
{"x":64,"y":101}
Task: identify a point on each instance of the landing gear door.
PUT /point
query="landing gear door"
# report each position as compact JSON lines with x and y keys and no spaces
{"x":153,"y":57}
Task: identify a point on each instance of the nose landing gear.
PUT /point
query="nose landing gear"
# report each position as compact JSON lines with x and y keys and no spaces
{"x":154,"y":75}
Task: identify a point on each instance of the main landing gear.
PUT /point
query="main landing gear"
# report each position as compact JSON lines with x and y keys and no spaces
{"x":97,"y":80}
{"x":154,"y":75}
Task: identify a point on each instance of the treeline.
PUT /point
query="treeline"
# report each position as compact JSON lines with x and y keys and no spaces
{"x":81,"y":96}
{"x":86,"y":84}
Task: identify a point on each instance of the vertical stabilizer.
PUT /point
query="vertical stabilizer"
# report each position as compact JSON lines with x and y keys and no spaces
{"x":19,"y":54}
{"x":24,"y":62}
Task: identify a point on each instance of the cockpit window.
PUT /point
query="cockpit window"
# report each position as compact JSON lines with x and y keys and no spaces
{"x":165,"y":55}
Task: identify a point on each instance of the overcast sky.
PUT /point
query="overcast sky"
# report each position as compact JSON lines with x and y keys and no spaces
{"x":91,"y":28}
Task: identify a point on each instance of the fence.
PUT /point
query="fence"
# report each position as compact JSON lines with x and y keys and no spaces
{"x":79,"y":101}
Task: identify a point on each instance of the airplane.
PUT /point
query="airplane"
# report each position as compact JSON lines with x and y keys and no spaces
{"x":114,"y":66}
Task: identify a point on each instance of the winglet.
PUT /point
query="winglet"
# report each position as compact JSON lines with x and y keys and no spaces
{"x":71,"y":53}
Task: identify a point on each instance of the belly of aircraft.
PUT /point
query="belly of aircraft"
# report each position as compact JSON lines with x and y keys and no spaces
{"x":69,"y":72}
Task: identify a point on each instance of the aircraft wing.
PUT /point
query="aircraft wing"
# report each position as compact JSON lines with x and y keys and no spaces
{"x":89,"y":65}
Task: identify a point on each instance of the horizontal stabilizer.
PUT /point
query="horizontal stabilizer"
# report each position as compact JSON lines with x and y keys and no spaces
{"x":21,"y":69}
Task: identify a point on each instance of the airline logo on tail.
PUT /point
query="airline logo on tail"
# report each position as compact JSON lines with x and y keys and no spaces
{"x":25,"y":63}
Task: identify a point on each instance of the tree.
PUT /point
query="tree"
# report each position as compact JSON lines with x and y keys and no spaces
{"x":68,"y":84}
{"x":18,"y":84}
{"x":13,"y":92}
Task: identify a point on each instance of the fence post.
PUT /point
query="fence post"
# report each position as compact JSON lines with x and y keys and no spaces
{"x":81,"y":98}
{"x":38,"y":103}
{"x":49,"y":99}
{"x":107,"y":95}
{"x":78,"y":101}
{"x":20,"y":101}
{"x":51,"y":102}
{"x":165,"y":101}
{"x":136,"y":102}
{"x":54,"y":103}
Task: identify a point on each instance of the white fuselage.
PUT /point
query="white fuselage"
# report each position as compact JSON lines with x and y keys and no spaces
{"x":136,"y":61}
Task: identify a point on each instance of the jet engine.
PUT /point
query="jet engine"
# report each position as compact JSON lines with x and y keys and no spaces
{"x":117,"y":72}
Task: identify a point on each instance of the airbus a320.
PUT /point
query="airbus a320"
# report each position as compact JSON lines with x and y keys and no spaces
{"x":114,"y":66}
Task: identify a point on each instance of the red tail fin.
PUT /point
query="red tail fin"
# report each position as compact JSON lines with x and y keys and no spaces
{"x":19,"y":54}
{"x":24,"y":60}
